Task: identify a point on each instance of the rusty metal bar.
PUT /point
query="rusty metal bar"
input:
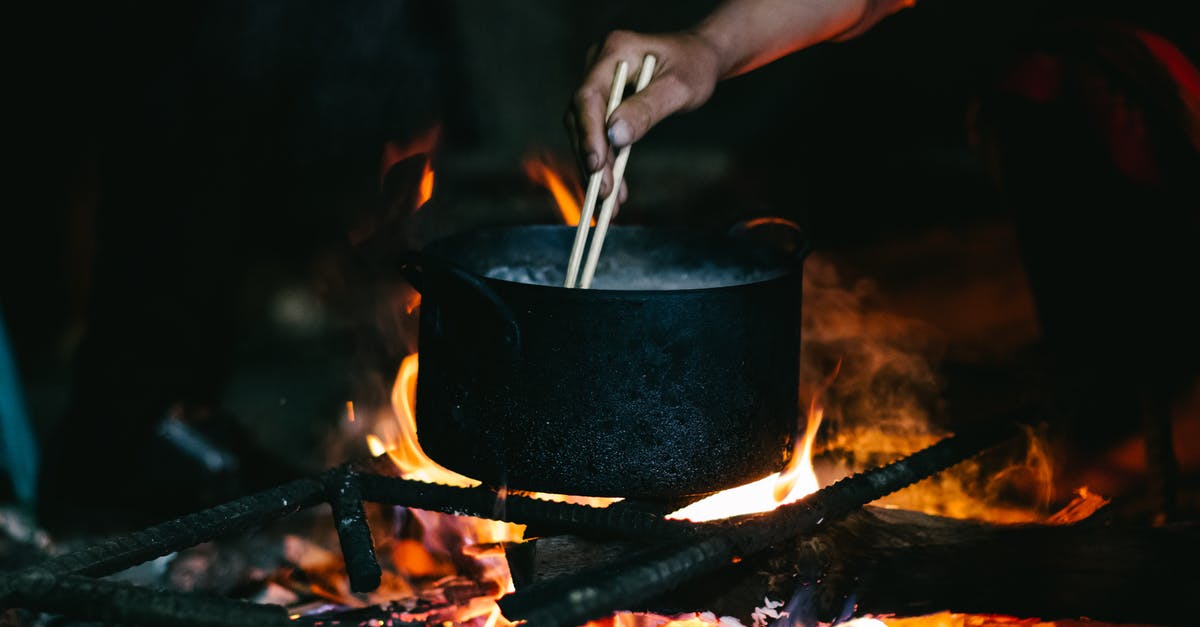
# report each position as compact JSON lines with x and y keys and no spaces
{"x":344,"y":493}
{"x":124,"y":604}
{"x":595,"y":593}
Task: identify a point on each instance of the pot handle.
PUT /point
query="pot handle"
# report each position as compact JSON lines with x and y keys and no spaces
{"x":427,"y":273}
{"x":801,"y":246}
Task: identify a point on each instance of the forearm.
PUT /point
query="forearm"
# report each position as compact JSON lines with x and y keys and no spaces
{"x":739,"y":36}
{"x":748,"y":34}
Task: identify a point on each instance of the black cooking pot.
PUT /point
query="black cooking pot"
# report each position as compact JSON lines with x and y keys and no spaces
{"x":677,"y":374}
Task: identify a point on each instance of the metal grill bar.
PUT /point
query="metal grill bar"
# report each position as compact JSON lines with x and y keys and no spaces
{"x":123,"y":604}
{"x":594,"y":593}
{"x":66,"y":585}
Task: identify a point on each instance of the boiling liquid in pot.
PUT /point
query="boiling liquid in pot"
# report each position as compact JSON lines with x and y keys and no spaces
{"x":634,"y":258}
{"x":619,"y":277}
{"x":647,"y":269}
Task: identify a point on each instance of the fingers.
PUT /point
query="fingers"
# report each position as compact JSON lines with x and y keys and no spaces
{"x":606,"y":179}
{"x":589,"y":120}
{"x":636,"y":115}
{"x":570,"y":120}
{"x":622,"y":194}
{"x":591,"y":99}
{"x":686,"y":74}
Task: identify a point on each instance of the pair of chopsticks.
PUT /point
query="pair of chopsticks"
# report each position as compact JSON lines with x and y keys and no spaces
{"x":593,"y":188}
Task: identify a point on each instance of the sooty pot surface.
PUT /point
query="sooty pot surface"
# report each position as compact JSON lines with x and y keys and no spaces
{"x":676,"y":374}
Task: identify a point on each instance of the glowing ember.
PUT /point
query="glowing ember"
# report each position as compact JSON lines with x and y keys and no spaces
{"x":709,"y":619}
{"x":865,"y":621}
{"x":646,"y":619}
{"x":1082,"y":506}
{"x":442,"y":535}
{"x":947,"y":619}
{"x":543,"y":171}
{"x":795,"y":482}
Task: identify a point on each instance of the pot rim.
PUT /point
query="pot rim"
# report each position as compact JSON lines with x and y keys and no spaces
{"x":787,"y":272}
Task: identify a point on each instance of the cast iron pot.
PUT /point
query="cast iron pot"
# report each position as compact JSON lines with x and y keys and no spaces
{"x":684,"y":381}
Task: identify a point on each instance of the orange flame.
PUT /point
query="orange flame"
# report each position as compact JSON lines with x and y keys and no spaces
{"x":1081,"y":507}
{"x":412,"y":300}
{"x":394,"y":152}
{"x":424,"y":144}
{"x":590,"y":501}
{"x":479,"y":538}
{"x":426,"y":191}
{"x":443,"y":534}
{"x":376,"y":445}
{"x":796,"y":481}
{"x":482,"y":539}
{"x":404,"y":449}
{"x":543,"y":171}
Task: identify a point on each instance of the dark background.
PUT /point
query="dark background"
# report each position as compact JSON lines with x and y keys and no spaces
{"x":188,"y":177}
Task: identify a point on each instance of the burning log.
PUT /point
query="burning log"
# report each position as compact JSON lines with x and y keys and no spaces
{"x":904,"y":563}
{"x":596,"y":592}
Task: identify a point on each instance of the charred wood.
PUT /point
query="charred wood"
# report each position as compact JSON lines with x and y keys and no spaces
{"x":917,"y":564}
{"x":905,"y":563}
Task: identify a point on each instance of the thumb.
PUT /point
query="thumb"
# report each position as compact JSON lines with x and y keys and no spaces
{"x":637,"y":115}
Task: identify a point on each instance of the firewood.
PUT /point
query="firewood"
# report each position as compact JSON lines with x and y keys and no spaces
{"x":905,"y":563}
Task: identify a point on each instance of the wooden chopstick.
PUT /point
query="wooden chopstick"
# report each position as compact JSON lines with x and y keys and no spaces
{"x":593,"y":188}
{"x":610,"y":203}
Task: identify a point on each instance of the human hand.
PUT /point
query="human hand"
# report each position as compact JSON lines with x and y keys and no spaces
{"x":687,"y":71}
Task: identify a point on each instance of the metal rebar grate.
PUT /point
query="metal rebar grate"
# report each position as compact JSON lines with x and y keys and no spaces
{"x":69,"y":584}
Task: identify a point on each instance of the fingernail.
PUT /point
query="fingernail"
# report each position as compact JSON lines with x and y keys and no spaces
{"x":593,"y":161}
{"x":619,"y":134}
